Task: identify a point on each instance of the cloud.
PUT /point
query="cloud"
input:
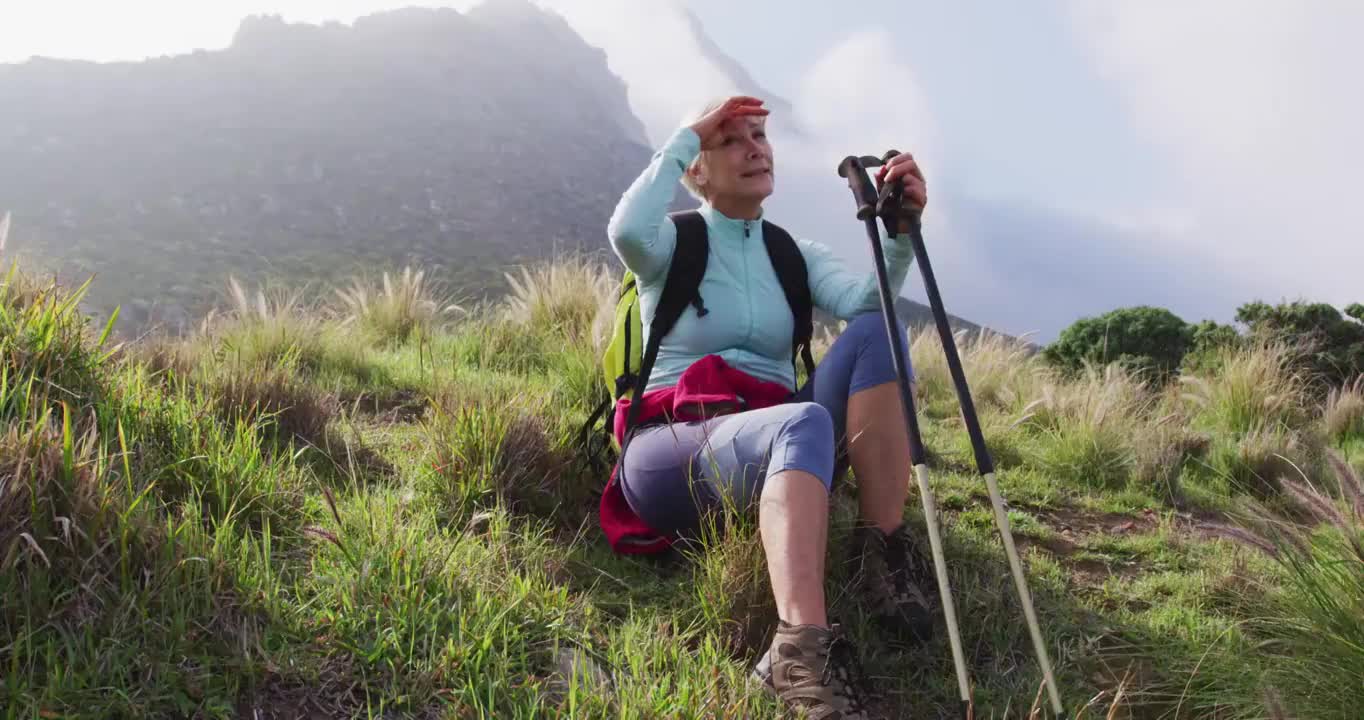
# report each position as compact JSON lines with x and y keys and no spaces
{"x":650,"y":45}
{"x":857,"y":100}
{"x":1255,"y":105}
{"x":1020,"y":270}
{"x":1227,"y":166}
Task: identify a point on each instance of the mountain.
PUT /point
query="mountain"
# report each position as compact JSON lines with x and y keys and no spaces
{"x":464,"y":141}
{"x":709,"y":52}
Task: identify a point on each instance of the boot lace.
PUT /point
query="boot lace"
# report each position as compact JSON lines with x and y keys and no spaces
{"x":909,"y":569}
{"x":843,"y":665}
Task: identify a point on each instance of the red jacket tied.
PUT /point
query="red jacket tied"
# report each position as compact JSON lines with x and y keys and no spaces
{"x":707,"y":388}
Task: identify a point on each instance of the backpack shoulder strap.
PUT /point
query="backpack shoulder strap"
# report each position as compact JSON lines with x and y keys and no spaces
{"x":794,"y":277}
{"x":680,"y":289}
{"x":685,"y":271}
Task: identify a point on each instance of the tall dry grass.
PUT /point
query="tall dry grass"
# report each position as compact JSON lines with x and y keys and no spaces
{"x":397,"y":307}
{"x":563,"y":297}
{"x":1343,"y":415}
{"x":1256,"y":408}
{"x":1002,"y":372}
{"x":1255,"y":388}
{"x":54,"y":506}
{"x":1088,"y":428}
{"x":264,"y":325}
{"x":1310,"y":615}
{"x":274,"y":327}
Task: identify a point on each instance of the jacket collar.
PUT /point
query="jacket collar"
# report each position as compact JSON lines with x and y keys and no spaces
{"x":721,"y":221}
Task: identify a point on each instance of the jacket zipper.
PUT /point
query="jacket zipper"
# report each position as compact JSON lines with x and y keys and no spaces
{"x":748,"y":287}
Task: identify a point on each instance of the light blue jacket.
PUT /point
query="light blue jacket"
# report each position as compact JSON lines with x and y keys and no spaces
{"x":750,"y":323}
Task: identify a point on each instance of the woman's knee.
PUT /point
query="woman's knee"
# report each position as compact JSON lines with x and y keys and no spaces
{"x":870,"y":328}
{"x":810,"y":421}
{"x":873,"y":342}
{"x":806,"y":441}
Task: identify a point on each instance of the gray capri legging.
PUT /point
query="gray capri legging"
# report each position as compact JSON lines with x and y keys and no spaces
{"x":675,"y":473}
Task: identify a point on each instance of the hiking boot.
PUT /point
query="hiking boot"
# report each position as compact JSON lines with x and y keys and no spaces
{"x":894,"y":580}
{"x":813,"y":669}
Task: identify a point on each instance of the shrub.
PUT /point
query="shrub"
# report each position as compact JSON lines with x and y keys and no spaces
{"x":1332,"y":344}
{"x":1141,"y":338}
{"x":1210,"y":339}
{"x":1209,"y":334}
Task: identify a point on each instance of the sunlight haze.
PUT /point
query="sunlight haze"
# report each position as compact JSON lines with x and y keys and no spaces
{"x":1216,"y":134}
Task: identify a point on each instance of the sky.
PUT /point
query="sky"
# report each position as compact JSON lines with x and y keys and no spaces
{"x":1081,"y":156}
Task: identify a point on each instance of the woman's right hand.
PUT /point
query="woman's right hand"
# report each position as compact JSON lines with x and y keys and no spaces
{"x":708,"y":127}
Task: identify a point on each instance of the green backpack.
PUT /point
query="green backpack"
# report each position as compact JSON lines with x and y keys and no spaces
{"x":626,"y":364}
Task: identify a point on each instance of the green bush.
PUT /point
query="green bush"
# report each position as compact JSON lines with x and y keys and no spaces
{"x":1141,"y":338}
{"x":1332,"y":343}
{"x":1211,"y":335}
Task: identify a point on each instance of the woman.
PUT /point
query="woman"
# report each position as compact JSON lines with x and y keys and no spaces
{"x":782,"y":456}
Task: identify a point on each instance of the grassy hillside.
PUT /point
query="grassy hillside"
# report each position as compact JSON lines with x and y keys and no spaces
{"x":376,"y":508}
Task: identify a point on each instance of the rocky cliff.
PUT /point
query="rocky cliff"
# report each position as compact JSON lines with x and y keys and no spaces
{"x":463,"y":141}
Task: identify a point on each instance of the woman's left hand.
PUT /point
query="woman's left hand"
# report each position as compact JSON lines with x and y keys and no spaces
{"x":904,"y":167}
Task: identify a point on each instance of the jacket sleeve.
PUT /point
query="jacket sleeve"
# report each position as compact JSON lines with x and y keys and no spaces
{"x":640,"y":232}
{"x":844,"y":293}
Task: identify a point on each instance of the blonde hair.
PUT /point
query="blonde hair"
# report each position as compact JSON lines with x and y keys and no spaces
{"x":688,"y":181}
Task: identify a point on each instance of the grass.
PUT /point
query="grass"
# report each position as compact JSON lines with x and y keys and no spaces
{"x":1344,"y":413}
{"x":397,"y":310}
{"x":374,"y":508}
{"x":1085,"y":429}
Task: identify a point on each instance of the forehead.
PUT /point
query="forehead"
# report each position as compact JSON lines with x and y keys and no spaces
{"x":745,"y":122}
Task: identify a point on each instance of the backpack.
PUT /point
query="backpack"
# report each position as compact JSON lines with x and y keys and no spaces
{"x":626,"y":364}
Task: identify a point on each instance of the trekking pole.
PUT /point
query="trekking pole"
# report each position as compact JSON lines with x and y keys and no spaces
{"x":853,"y":169}
{"x":888,"y":207}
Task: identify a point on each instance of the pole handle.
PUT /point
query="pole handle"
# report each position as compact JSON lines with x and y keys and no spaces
{"x":853,"y":170}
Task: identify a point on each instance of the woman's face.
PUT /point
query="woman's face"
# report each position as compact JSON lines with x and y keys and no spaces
{"x":740,"y":164}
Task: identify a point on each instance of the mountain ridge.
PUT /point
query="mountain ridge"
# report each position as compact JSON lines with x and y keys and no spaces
{"x":315,"y":151}
{"x":410,"y":136}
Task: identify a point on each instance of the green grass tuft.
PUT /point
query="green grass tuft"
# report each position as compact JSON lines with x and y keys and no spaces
{"x":398,"y":308}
